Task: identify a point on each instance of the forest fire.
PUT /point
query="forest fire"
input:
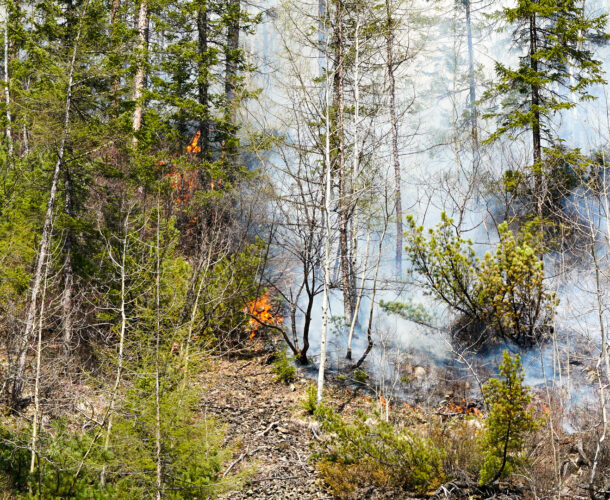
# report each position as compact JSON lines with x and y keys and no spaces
{"x":465,"y":409}
{"x":193,"y":146}
{"x":262,"y":314}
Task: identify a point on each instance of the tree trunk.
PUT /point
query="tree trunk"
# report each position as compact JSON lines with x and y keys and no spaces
{"x":36,"y":419}
{"x":116,"y":83}
{"x":232,"y":56}
{"x":473,"y":95}
{"x":159,"y":477}
{"x":394,"y":119}
{"x":356,"y":154}
{"x":119,"y":369}
{"x":302,"y":355}
{"x":67,"y":304}
{"x":114,"y":12}
{"x":536,"y":135}
{"x":344,"y":198}
{"x":203,"y":81}
{"x":352,"y":327}
{"x":201,"y":276}
{"x":140,"y":78}
{"x":369,"y":328}
{"x":7,"y":95}
{"x":327,"y":206}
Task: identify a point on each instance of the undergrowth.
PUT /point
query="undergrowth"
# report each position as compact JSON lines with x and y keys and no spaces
{"x":369,"y":450}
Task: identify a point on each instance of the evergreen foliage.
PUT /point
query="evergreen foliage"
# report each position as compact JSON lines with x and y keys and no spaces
{"x":283,"y":368}
{"x":509,"y":422}
{"x":553,"y":39}
{"x":369,"y":449}
{"x":502,"y":295}
{"x":556,"y":67}
{"x":417,"y":313}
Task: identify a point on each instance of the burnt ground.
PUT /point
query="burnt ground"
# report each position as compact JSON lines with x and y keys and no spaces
{"x":274,"y":434}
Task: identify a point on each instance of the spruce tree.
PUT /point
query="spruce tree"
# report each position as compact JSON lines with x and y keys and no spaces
{"x":556,"y":66}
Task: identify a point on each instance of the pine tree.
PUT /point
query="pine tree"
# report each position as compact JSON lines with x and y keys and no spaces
{"x":556,"y":65}
{"x":509,"y":421}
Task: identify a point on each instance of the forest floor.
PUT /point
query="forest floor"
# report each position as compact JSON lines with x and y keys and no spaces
{"x":265,"y":418}
{"x":274,"y":434}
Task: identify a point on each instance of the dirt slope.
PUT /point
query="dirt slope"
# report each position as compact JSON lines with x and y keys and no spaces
{"x":264,"y":416}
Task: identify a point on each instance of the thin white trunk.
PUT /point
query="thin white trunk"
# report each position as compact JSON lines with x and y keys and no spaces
{"x":352,"y":326}
{"x":7,"y":94}
{"x":140,"y":77}
{"x":194,"y":315}
{"x":36,"y":420}
{"x":600,"y":443}
{"x":157,"y":341}
{"x":119,"y":369}
{"x":394,"y":125}
{"x":67,"y":299}
{"x":604,"y":340}
{"x":603,"y":356}
{"x":356,"y":162}
{"x":369,"y":328}
{"x":552,"y":432}
{"x":327,"y":209}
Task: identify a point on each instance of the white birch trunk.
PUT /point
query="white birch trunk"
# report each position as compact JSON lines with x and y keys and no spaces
{"x":7,"y":94}
{"x":36,"y":419}
{"x":140,"y":77}
{"x":352,"y":326}
{"x":119,"y":369}
{"x":327,"y":209}
{"x":157,"y":368}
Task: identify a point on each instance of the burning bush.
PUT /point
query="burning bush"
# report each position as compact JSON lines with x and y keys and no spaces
{"x":502,"y":295}
{"x":262,"y":314}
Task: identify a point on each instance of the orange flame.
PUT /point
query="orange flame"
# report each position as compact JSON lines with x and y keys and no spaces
{"x":463,"y":410}
{"x":184,"y":184}
{"x":383,"y":401}
{"x":261,"y":310}
{"x":194,"y":147}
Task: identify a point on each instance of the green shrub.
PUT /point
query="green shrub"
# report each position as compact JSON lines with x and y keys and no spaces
{"x":58,"y":472}
{"x":310,"y":403}
{"x":460,"y":440}
{"x":194,"y":452}
{"x":283,"y":368}
{"x":370,"y":450}
{"x":14,"y":461}
{"x":360,"y":376}
{"x":509,"y":421}
{"x":69,"y":460}
{"x":502,"y":295}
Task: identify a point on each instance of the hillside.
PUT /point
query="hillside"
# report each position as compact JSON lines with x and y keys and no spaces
{"x":352,"y":249}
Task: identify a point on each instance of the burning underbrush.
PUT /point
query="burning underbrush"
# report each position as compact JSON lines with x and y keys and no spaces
{"x":263,"y":313}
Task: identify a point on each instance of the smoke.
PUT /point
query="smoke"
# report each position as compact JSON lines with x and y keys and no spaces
{"x":441,"y":172}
